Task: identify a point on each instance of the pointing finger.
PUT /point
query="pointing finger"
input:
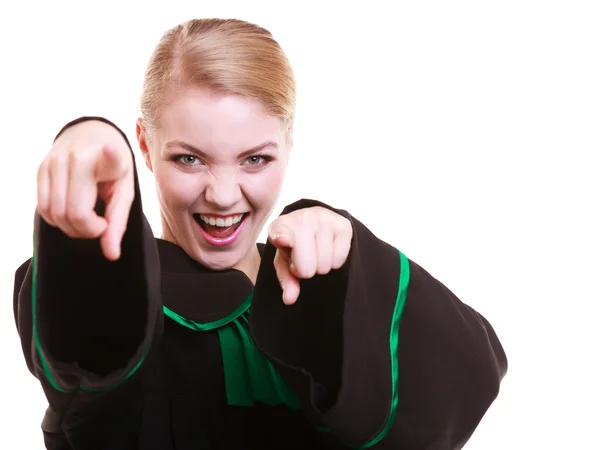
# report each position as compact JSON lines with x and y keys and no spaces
{"x":117,"y":215}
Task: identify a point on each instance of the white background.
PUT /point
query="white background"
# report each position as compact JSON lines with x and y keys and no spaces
{"x":465,"y":133}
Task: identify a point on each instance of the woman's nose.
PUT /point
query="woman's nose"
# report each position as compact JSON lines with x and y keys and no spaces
{"x":223,"y":191}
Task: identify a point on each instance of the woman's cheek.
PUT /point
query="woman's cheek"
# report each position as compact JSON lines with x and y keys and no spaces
{"x":179,"y":189}
{"x":267,"y":187}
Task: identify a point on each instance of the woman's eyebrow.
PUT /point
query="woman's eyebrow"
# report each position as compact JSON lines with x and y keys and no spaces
{"x":204,"y":155}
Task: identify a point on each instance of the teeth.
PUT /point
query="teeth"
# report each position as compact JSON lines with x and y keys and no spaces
{"x":220,"y":222}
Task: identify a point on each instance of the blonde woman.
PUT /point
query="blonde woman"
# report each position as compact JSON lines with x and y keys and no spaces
{"x":325,"y":337}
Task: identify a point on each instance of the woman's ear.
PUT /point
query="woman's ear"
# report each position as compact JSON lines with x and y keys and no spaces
{"x":142,"y":137}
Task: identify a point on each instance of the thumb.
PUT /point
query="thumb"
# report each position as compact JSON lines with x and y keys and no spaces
{"x":117,"y":212}
{"x":111,"y":165}
{"x":281,"y":236}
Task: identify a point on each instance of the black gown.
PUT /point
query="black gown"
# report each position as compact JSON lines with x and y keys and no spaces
{"x":155,"y":351}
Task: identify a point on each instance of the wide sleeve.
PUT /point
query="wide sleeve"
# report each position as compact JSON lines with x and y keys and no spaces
{"x":86,"y":323}
{"x":379,"y":353}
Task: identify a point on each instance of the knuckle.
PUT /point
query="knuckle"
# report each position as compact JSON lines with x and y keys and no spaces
{"x":77,"y":215}
{"x":69,"y":232}
{"x":339,"y":259}
{"x":306,"y":272}
{"x":307,"y":217}
{"x":324,"y":267}
{"x":44,"y":212}
{"x":337,"y":265}
{"x":72,"y":155}
{"x":48,"y":162}
{"x":56,"y":161}
{"x":75,"y":156}
{"x":57,"y":214}
{"x":324,"y":215}
{"x":280,"y":225}
{"x":61,"y":157}
{"x":59,"y":217}
{"x":323,"y":271}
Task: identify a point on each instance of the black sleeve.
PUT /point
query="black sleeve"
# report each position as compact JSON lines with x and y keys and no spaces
{"x":379,"y":353}
{"x":87,"y":323}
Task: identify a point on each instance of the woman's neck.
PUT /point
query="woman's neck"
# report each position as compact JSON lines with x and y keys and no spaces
{"x":250,"y":264}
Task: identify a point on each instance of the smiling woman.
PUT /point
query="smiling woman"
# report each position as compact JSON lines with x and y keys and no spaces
{"x":223,"y":91}
{"x":190,"y":341}
{"x":216,"y":155}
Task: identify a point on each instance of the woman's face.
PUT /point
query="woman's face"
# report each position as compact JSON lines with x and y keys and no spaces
{"x":219,"y":162}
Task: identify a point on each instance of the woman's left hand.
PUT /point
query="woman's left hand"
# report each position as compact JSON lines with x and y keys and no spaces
{"x":309,"y":241}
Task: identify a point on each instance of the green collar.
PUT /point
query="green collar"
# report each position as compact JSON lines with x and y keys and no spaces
{"x":249,"y":376}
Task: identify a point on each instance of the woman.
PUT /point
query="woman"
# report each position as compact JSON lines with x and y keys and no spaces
{"x":190,"y":341}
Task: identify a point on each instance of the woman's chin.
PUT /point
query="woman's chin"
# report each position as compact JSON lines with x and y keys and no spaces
{"x":218,"y":260}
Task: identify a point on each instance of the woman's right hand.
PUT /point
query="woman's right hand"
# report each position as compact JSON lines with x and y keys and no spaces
{"x":89,"y":160}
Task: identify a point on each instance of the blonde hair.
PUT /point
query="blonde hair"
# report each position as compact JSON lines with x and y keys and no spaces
{"x":227,"y":55}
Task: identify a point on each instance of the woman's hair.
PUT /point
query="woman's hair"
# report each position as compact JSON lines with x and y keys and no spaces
{"x":226,"y":55}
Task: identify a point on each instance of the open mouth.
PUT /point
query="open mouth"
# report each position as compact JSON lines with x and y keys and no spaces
{"x":220,"y":228}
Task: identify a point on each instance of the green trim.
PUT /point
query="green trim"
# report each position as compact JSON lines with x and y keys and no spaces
{"x":249,"y":376}
{"x":36,"y":337}
{"x":394,"y":335}
{"x":38,"y":344}
{"x":196,"y":326}
{"x":121,"y":381}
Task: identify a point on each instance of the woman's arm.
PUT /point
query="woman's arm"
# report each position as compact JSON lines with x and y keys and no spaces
{"x":86,"y":323}
{"x":380,"y":353}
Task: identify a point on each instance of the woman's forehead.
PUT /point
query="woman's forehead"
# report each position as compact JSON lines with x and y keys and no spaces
{"x":217,"y":123}
{"x":200,"y":112}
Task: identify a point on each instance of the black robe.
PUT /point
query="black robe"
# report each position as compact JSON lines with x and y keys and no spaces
{"x":155,"y":351}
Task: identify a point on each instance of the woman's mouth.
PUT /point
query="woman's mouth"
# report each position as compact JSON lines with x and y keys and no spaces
{"x":219,"y":230}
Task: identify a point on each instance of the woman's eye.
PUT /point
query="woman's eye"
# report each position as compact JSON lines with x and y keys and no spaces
{"x":257,"y":160}
{"x":188,"y":160}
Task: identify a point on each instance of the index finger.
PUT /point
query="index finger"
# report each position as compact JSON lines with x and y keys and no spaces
{"x":117,"y":215}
